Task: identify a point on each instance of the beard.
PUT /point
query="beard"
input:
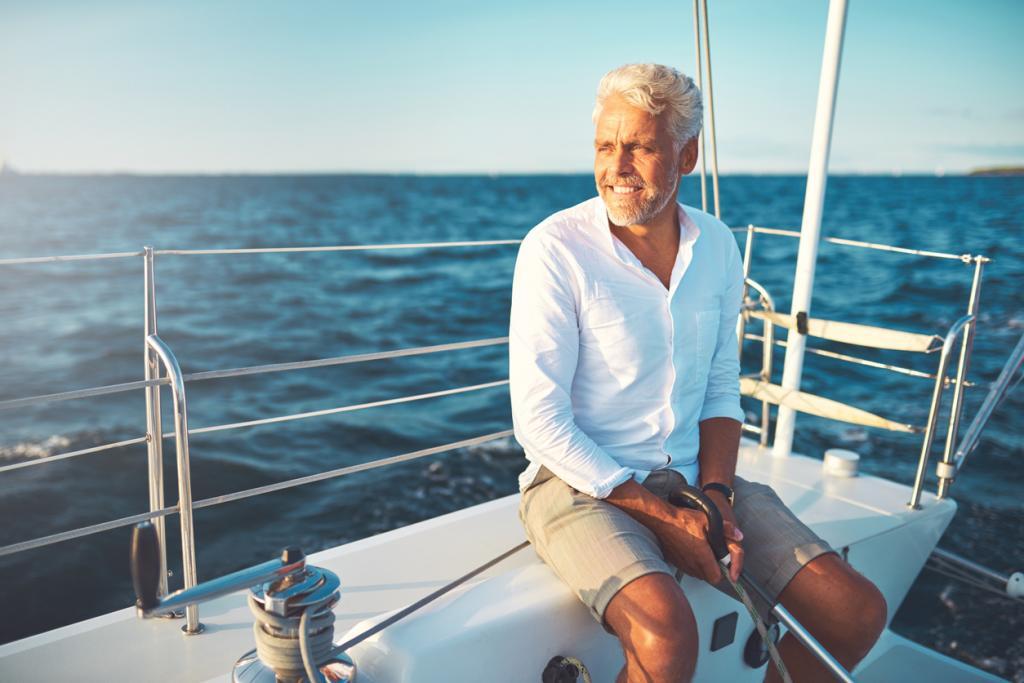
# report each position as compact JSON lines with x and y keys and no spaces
{"x":653,"y":199}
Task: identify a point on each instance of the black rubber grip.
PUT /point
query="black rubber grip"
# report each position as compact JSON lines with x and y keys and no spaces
{"x":693,"y":498}
{"x":145,"y":564}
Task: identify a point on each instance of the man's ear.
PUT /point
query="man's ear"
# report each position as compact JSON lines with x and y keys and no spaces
{"x":688,"y":156}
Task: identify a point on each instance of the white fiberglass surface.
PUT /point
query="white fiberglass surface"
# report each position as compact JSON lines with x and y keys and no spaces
{"x":385,"y":572}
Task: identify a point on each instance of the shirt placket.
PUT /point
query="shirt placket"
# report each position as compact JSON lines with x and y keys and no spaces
{"x":668,"y":422}
{"x":670,"y":397}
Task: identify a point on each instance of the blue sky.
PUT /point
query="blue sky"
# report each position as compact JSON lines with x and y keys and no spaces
{"x":490,"y":87}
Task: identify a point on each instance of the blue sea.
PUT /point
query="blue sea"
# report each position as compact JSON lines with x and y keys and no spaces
{"x":79,"y":324}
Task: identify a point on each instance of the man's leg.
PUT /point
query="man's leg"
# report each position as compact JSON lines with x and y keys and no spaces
{"x":843,"y":610}
{"x":653,"y":621}
{"x":615,"y":566}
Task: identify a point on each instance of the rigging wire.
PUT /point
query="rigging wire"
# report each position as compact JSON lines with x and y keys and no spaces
{"x":711,"y":109}
{"x":700,"y":86}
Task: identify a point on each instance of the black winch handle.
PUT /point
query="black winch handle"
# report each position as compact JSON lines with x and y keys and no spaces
{"x":145,"y":564}
{"x":693,"y":498}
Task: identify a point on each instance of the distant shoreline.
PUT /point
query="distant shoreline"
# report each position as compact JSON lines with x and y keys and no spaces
{"x":998,"y":171}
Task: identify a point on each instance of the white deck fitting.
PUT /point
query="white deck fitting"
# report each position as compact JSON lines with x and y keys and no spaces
{"x":386,"y":572}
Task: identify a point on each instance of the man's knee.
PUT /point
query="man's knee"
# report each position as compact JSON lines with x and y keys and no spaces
{"x":849,"y":610}
{"x":863,"y":616}
{"x":656,"y":627}
{"x":666,"y":655}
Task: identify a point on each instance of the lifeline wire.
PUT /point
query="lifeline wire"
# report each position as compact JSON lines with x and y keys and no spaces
{"x":373,"y":630}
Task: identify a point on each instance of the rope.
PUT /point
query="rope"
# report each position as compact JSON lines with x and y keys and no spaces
{"x":762,"y":628}
{"x":286,"y":644}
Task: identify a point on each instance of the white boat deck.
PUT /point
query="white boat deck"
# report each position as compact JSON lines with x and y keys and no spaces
{"x":386,"y":572}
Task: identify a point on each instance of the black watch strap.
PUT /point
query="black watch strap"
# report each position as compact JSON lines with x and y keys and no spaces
{"x":721,"y":488}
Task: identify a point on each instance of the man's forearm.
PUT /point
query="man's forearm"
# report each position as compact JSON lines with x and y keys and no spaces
{"x":719,"y":447}
{"x":640,"y":504}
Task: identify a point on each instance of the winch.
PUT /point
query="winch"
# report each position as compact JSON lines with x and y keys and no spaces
{"x":291,"y":602}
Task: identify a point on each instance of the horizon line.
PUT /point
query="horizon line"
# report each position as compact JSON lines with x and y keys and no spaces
{"x":9,"y":171}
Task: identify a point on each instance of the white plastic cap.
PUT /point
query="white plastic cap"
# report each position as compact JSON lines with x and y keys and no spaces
{"x":840,"y":463}
{"x":1015,"y":586}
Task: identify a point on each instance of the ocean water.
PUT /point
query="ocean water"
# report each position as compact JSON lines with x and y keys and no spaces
{"x":75,"y":325}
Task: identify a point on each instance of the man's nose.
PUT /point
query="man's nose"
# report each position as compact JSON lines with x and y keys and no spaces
{"x":622,"y":161}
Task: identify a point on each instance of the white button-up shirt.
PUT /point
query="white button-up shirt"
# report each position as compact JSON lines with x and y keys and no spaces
{"x":610,"y":372}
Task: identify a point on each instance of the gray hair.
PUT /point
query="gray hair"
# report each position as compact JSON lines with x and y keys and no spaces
{"x":655,"y":88}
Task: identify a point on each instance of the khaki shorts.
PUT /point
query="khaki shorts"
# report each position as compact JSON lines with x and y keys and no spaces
{"x":596,"y":548}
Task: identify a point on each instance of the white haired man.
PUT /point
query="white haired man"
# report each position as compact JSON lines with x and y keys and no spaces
{"x":625,"y":382}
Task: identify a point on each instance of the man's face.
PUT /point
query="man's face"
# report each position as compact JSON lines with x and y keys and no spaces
{"x":636,"y":164}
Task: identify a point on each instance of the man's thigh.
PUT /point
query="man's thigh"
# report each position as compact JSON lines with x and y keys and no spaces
{"x":776,"y":545}
{"x":594,"y":547}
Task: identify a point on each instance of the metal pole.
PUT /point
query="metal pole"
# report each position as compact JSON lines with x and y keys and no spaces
{"x":814,"y":201}
{"x":805,"y":637}
{"x":700,"y":86}
{"x":741,"y":324}
{"x":188,"y":544}
{"x":767,"y":348}
{"x":933,"y":411}
{"x":711,"y":110}
{"x":154,"y":427}
{"x":946,"y":471}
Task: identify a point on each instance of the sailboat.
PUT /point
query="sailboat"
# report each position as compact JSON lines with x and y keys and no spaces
{"x":461,"y":597}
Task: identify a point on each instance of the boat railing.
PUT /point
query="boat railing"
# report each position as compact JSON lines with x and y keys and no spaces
{"x":865,"y":336}
{"x":158,"y":355}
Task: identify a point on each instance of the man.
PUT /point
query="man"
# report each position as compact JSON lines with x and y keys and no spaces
{"x":625,"y":382}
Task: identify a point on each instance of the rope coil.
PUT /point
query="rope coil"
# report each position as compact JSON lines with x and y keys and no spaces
{"x":295,"y":642}
{"x":277,"y":638}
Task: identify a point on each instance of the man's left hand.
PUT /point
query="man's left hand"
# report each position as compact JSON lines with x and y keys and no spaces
{"x":733,"y":535}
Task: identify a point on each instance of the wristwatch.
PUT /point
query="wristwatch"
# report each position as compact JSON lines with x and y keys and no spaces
{"x":721,"y":488}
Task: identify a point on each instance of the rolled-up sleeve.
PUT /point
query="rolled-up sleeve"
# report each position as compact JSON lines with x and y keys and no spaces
{"x":722,"y":396}
{"x":543,"y":353}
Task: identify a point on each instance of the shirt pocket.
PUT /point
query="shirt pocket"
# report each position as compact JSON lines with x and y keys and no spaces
{"x":697,"y":345}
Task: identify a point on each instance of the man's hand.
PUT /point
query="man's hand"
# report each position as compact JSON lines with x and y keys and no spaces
{"x":683,"y":533}
{"x":684,"y":540}
{"x":733,"y":535}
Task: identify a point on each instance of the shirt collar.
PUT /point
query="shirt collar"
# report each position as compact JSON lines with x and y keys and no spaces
{"x":688,"y":233}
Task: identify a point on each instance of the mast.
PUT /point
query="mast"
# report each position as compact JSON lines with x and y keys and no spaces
{"x":810,"y":228}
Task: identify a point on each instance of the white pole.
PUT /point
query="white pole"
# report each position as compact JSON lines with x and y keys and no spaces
{"x":711,"y":109}
{"x":810,"y":228}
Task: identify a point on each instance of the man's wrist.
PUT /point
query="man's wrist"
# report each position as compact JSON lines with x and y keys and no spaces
{"x":719,"y":491}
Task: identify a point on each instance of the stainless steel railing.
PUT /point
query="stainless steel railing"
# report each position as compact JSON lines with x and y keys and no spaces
{"x":940,"y":383}
{"x":188,"y":539}
{"x":157,"y":354}
{"x":966,"y":330}
{"x":933,"y":411}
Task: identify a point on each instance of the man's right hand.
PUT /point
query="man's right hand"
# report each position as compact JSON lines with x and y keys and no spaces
{"x":683,"y":533}
{"x":684,"y":540}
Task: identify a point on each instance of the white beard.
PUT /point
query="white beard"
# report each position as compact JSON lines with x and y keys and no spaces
{"x":647,"y":207}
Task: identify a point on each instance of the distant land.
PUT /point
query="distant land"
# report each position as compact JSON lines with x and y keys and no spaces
{"x":998,"y":170}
